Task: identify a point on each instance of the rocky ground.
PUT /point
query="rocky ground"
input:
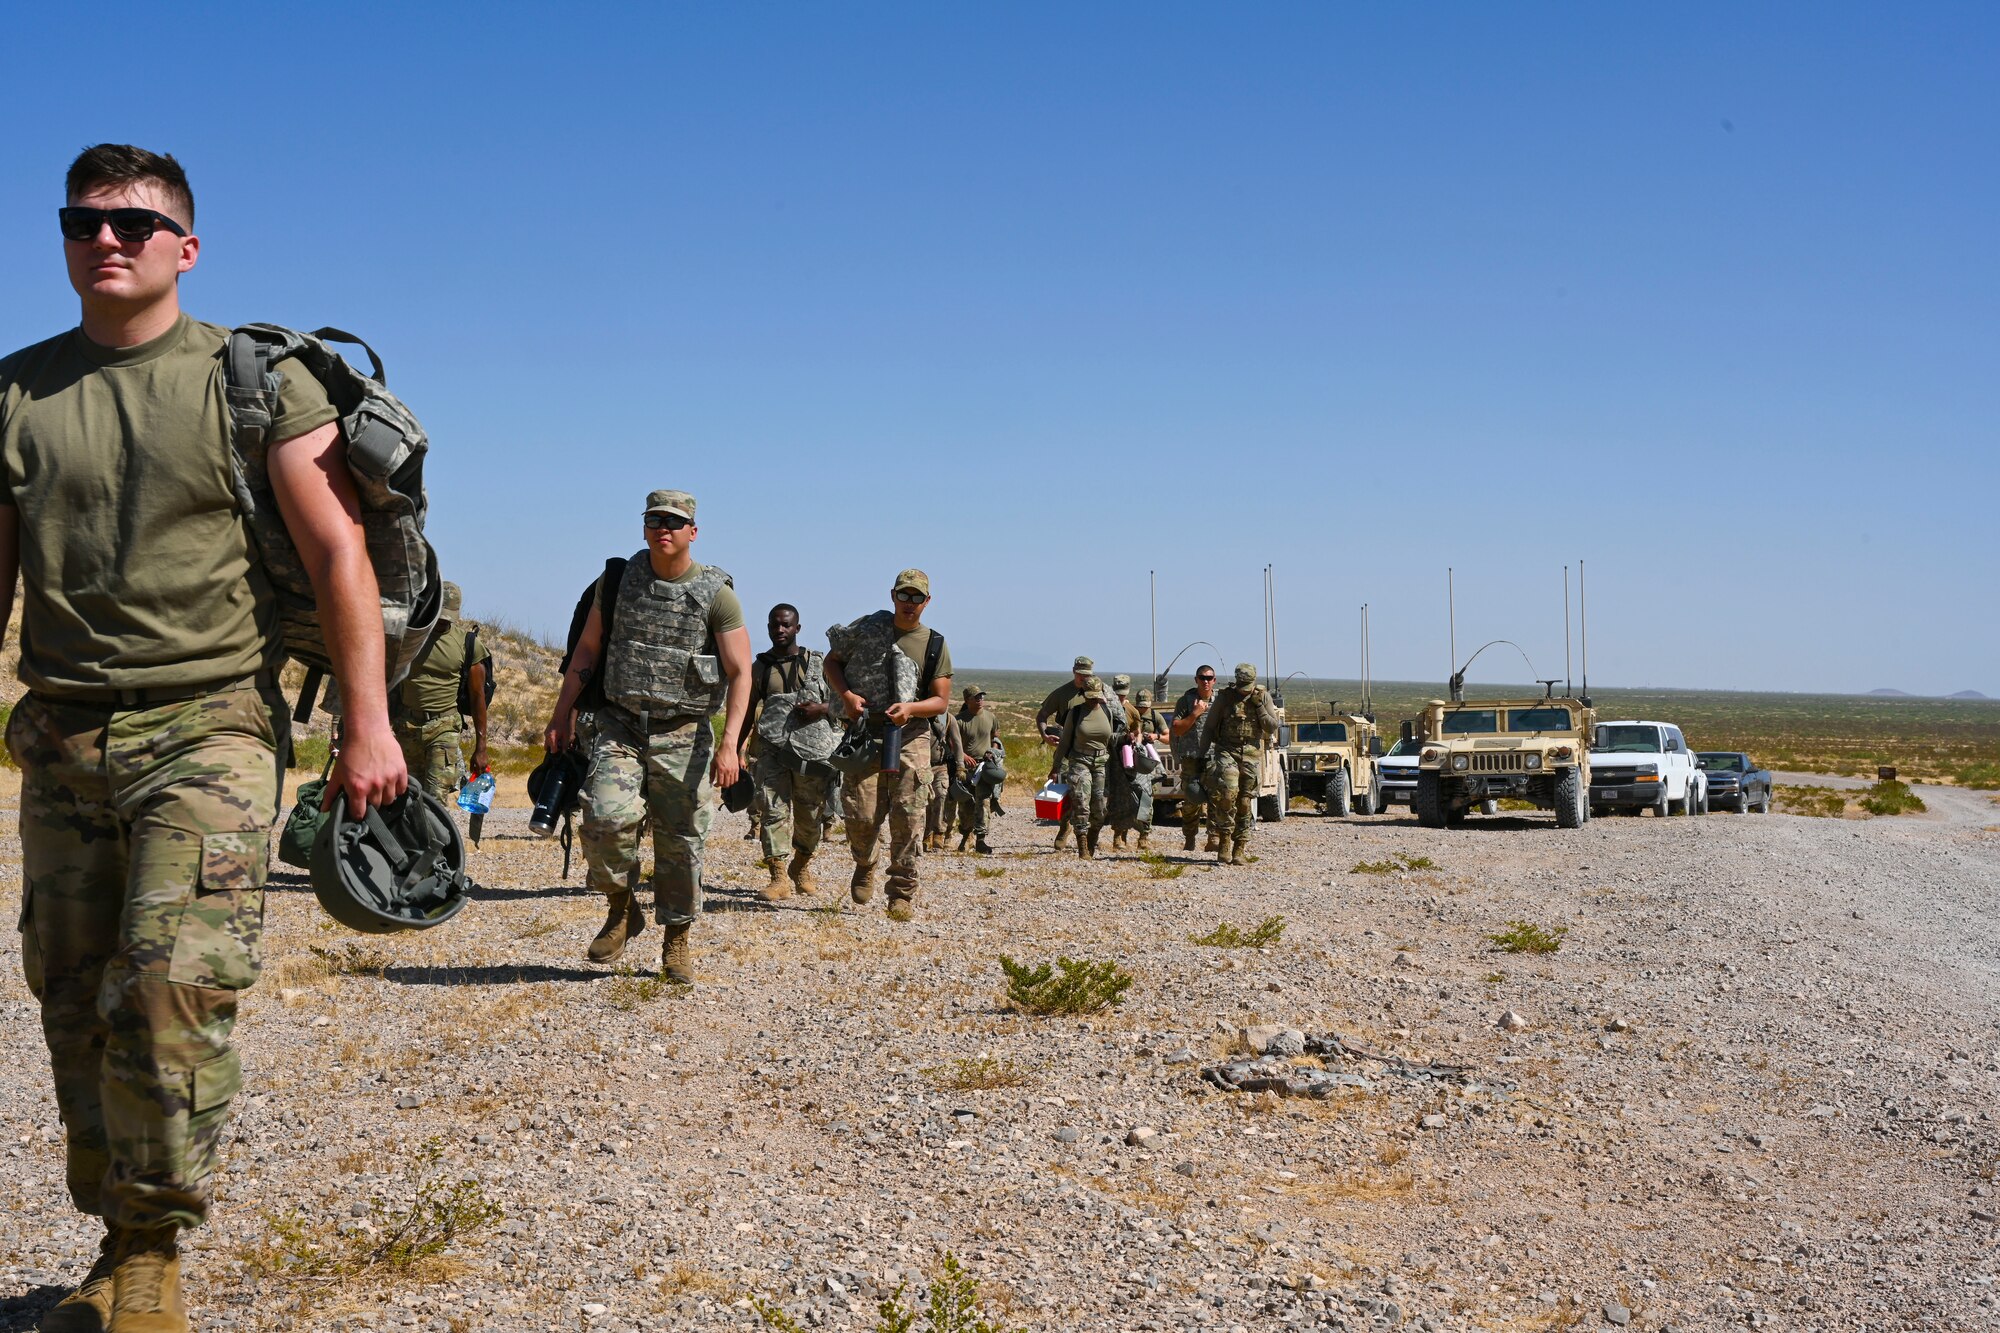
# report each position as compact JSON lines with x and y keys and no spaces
{"x":1755,"y":1085}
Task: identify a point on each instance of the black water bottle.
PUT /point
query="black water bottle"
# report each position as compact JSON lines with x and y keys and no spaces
{"x":892,"y":750}
{"x":554,"y":796}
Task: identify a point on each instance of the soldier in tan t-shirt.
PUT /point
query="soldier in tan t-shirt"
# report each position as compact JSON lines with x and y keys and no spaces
{"x":150,"y":740}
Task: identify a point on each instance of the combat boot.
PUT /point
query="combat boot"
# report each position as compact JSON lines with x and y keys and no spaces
{"x":1084,"y":850}
{"x":677,"y":956}
{"x":861,"y":885}
{"x":1188,"y":836}
{"x":88,"y":1308}
{"x":801,"y":872}
{"x":1222,"y":852}
{"x":624,"y":920}
{"x":1144,"y":834}
{"x":1239,"y":853}
{"x":983,"y":847}
{"x":1118,"y":840}
{"x":146,"y":1284}
{"x":779,"y":888}
{"x":1214,"y":842}
{"x":1062,"y":837}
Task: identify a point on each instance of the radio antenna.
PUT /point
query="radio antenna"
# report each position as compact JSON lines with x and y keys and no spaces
{"x":1153,"y":599}
{"x":1271,"y":597}
{"x":1583,"y":627}
{"x":1451,"y":620}
{"x":1566,"y":680}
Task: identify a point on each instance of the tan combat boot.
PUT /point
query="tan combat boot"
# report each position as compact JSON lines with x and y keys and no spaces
{"x":88,"y":1308}
{"x":801,"y":873}
{"x":1222,"y":852}
{"x":1062,"y":836}
{"x":624,"y":920}
{"x":1084,"y":850}
{"x":677,"y":956}
{"x":1144,"y":834}
{"x":146,"y":1284}
{"x":780,"y":886}
{"x":1188,"y":836}
{"x":1118,"y":840}
{"x":861,"y":884}
{"x":1214,"y":842}
{"x":1239,"y":853}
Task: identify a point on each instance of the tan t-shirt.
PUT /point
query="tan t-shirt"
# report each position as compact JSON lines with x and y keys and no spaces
{"x":976,"y":733}
{"x":137,"y":570}
{"x":432,"y":686}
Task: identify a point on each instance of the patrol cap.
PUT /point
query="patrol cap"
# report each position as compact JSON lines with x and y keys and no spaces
{"x":973,"y":692}
{"x":671,"y":502}
{"x":1082,"y":663}
{"x":914,"y":579}
{"x":1088,"y":694}
{"x":454,"y":600}
{"x":1245,"y":674}
{"x":1143,"y":697}
{"x":1120,"y":683}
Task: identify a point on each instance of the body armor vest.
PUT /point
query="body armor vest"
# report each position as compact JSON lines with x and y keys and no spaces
{"x":661,"y":660}
{"x":1239,"y":718}
{"x":868,"y":657}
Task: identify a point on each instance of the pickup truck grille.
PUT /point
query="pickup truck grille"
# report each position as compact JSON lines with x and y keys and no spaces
{"x":1499,"y":761}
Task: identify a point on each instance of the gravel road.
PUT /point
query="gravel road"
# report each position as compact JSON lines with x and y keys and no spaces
{"x":1755,"y":1086}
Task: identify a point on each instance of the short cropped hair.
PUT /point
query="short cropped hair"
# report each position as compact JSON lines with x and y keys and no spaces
{"x":123,"y":164}
{"x":783,"y":606}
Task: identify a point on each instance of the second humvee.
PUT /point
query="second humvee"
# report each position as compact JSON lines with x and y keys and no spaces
{"x":1535,"y":750}
{"x":1331,"y":759}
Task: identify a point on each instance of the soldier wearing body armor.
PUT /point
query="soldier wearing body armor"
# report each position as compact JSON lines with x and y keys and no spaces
{"x":890,"y":670}
{"x":1083,"y":754}
{"x":677,"y":654}
{"x":428,"y":724}
{"x":789,"y":707}
{"x":1233,"y":733}
{"x":1189,"y":710}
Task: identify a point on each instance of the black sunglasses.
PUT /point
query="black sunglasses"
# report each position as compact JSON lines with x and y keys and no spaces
{"x":1208,"y":677}
{"x":127,"y":224}
{"x":671,"y":522}
{"x":910,"y":595}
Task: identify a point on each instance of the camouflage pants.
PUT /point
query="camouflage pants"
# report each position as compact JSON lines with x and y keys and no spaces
{"x":634,"y":777}
{"x":900,"y":798}
{"x":145,"y":836}
{"x":1194,"y":794}
{"x":436,"y":756}
{"x":789,"y":808}
{"x":1233,"y":775}
{"x":970,"y":812}
{"x":1085,"y":774}
{"x":938,"y":813}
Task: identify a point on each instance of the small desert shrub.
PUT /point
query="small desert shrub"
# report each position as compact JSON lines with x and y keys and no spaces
{"x":1070,"y":986}
{"x":1227,"y":936}
{"x":951,"y":1305}
{"x":442,"y":1212}
{"x":990,"y":872}
{"x":1392,"y":865}
{"x":1815,"y":802}
{"x":351,"y":958}
{"x":1527,"y":937}
{"x":630,"y":989}
{"x":978,"y":1074}
{"x":1159,"y":867}
{"x":1890,"y":797}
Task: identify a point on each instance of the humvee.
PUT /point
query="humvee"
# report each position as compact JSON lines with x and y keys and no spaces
{"x":1332,"y":760}
{"x":1273,"y":792}
{"x":1529,"y":749}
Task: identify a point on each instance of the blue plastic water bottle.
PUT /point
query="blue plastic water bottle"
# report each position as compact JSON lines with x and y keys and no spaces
{"x":475,"y":795}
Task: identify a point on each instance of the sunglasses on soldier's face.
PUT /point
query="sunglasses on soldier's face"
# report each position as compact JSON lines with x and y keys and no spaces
{"x":909,"y":596}
{"x":131,"y":225}
{"x":1204,"y":679}
{"x":668,"y":522}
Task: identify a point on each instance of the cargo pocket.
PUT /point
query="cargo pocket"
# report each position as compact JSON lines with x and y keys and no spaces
{"x":220,"y":941}
{"x":216,"y":1080}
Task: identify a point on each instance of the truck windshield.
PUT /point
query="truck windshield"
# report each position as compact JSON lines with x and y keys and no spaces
{"x":1627,"y":740}
{"x":1403,"y":747}
{"x":1308,"y":732}
{"x":1720,"y":763}
{"x":1472,"y":722}
{"x":1538,"y":719}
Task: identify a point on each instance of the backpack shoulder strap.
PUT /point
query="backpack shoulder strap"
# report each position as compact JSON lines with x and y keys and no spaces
{"x":933,"y":654}
{"x":614,"y":573}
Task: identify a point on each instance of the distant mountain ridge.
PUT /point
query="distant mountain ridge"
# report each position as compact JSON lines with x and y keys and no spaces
{"x":1905,"y":694}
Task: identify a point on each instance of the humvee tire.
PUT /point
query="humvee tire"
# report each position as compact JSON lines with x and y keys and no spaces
{"x":1427,"y":802}
{"x":1338,"y":803}
{"x":1365,"y":802}
{"x":1571,"y":807}
{"x":1271,"y":809}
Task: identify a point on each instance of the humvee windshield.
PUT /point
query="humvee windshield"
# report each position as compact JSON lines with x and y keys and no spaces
{"x":1308,"y":732}
{"x":1627,"y":740}
{"x":1538,"y":719}
{"x":1472,"y":722}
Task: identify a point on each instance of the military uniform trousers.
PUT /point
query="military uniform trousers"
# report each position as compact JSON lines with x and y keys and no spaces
{"x":661,"y":776}
{"x":435,"y":755}
{"x":789,"y":807}
{"x":145,"y":836}
{"x":937,"y":814}
{"x":1194,"y":794}
{"x":1086,"y":776}
{"x":899,"y":799}
{"x":1234,"y":772}
{"x":970,"y":812}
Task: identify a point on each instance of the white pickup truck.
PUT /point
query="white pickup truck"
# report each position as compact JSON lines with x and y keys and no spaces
{"x":1638,"y":765}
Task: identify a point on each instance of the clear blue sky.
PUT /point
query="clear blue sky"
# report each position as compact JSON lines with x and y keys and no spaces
{"x":1041,"y":297}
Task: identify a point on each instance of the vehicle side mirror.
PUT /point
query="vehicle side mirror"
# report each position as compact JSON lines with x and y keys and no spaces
{"x":1375,"y":748}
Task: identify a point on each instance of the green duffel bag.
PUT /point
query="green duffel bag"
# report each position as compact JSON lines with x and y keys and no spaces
{"x":302,"y":826}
